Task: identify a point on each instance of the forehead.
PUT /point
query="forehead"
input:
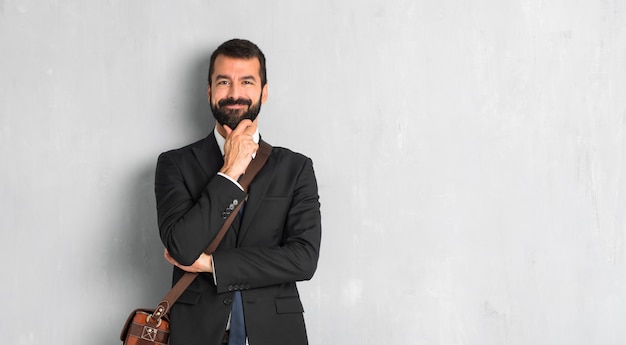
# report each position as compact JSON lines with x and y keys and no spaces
{"x":236,"y":67}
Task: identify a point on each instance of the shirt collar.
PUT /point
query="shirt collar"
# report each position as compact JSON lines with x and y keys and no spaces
{"x":221,"y":141}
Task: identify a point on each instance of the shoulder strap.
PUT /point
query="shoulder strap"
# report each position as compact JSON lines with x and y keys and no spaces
{"x":181,"y":285}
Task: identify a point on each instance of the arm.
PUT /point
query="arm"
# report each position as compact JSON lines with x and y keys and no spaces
{"x":187,"y":224}
{"x":294,"y":258}
{"x":187,"y":221}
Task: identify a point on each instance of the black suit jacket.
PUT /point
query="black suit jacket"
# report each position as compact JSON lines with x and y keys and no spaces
{"x":264,"y":254}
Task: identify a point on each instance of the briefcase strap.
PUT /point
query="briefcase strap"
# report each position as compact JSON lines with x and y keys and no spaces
{"x":181,"y":285}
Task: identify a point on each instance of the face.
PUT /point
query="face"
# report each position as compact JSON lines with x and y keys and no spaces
{"x":236,"y":92}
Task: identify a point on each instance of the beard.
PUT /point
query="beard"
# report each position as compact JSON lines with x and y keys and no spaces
{"x":232,"y":117}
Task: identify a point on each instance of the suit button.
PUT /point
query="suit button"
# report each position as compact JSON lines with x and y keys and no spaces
{"x":230,"y":288}
{"x":224,"y":215}
{"x":247,"y":286}
{"x":228,"y":301}
{"x":236,"y":287}
{"x":235,"y":202}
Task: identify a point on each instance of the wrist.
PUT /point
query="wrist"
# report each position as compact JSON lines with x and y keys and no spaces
{"x":230,"y":172}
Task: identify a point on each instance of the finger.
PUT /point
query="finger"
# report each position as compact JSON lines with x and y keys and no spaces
{"x":251,"y":129}
{"x":243,"y":127}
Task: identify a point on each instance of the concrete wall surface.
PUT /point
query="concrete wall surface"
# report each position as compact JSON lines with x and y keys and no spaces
{"x":470,"y":157}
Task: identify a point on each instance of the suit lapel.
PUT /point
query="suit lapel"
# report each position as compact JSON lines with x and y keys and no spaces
{"x":257,"y":191}
{"x":208,"y":155}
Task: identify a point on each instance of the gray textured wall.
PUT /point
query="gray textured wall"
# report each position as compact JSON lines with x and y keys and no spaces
{"x":470,"y":157}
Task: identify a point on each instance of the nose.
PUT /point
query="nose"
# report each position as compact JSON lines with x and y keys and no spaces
{"x":234,"y":91}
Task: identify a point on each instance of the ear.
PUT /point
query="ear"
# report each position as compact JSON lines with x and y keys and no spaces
{"x":264,"y":95}
{"x":208,"y":93}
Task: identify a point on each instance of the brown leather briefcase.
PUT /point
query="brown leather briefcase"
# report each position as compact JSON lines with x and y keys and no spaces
{"x":141,"y":328}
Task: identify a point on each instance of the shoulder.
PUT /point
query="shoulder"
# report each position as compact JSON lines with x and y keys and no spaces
{"x":185,"y":149}
{"x":290,"y":163}
{"x":181,"y":152}
{"x":287,"y":155}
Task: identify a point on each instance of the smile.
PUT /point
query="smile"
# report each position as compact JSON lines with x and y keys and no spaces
{"x":235,"y":107}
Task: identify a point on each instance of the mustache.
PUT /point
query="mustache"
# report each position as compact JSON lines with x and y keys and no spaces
{"x":232,"y":101}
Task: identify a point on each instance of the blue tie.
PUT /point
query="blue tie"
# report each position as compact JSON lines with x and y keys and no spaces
{"x":237,"y":334}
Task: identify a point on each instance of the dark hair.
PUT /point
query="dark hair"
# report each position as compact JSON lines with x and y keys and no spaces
{"x":241,"y":49}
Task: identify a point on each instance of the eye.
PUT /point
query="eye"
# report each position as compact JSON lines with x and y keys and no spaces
{"x":222,"y":82}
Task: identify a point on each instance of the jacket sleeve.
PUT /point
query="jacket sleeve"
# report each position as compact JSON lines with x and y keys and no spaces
{"x":187,"y":222}
{"x":294,"y":259}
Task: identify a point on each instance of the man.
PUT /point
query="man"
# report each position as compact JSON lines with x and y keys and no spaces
{"x":270,"y":246}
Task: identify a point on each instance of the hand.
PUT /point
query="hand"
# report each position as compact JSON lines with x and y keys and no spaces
{"x":239,"y":148}
{"x":203,"y":264}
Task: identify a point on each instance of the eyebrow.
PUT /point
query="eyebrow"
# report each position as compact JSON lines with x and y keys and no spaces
{"x":222,"y":76}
